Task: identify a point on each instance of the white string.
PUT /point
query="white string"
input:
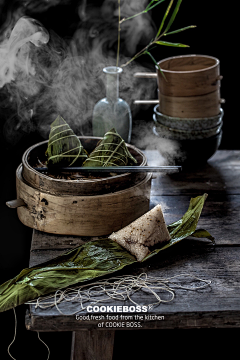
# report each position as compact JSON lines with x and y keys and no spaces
{"x":44,"y":344}
{"x":15,"y":330}
{"x":119,"y":288}
{"x":14,"y":338}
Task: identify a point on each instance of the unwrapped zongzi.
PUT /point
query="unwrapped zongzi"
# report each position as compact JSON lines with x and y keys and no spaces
{"x":141,"y":234}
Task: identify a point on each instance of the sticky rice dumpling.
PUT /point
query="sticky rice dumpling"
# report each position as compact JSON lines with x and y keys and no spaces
{"x":148,"y":230}
{"x":110,"y":151}
{"x":64,"y":147}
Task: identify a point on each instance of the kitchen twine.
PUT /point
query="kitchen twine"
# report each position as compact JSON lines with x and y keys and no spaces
{"x":15,"y":331}
{"x":117,"y":288}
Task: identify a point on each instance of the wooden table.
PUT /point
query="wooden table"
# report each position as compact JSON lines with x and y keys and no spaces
{"x":216,"y":306}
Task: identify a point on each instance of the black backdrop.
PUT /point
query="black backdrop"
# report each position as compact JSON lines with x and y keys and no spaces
{"x":216,"y":35}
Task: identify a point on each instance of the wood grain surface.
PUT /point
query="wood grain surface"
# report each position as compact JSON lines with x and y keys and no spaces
{"x":215,"y":306}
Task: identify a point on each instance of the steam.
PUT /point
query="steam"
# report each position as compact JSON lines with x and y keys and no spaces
{"x":14,"y":52}
{"x":44,"y":75}
{"x":36,"y":6}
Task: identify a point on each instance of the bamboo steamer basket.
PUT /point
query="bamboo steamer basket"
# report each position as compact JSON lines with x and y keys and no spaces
{"x":61,"y":207}
{"x":85,"y":187}
{"x":191,"y":88}
{"x":204,"y":106}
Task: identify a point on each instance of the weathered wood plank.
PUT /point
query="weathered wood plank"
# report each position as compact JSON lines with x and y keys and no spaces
{"x":220,"y":215}
{"x":217,"y":305}
{"x":195,"y":320}
{"x":43,"y":241}
{"x":220,"y":176}
{"x":92,"y":345}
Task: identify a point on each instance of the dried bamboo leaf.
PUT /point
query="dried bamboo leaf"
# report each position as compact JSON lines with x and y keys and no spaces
{"x":64,"y":147}
{"x":110,"y":151}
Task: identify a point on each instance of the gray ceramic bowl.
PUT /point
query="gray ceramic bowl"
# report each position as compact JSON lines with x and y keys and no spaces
{"x":188,"y":123}
{"x":176,"y":134}
{"x":188,"y":152}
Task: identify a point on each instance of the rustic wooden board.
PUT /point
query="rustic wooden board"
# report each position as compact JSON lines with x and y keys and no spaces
{"x":217,"y":305}
{"x":219,"y":176}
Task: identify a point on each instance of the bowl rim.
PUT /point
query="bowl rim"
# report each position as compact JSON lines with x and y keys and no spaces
{"x":186,"y":119}
{"x":183,"y":140}
{"x":180,"y":131}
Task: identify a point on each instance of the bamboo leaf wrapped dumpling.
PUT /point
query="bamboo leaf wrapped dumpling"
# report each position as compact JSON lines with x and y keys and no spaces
{"x":64,"y":147}
{"x":110,"y":151}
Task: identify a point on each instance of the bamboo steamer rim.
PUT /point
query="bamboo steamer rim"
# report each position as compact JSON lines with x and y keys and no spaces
{"x":146,"y":178}
{"x":217,"y":62}
{"x":66,"y":181}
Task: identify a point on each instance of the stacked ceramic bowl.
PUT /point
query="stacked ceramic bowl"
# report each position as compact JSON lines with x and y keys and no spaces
{"x":194,"y":139}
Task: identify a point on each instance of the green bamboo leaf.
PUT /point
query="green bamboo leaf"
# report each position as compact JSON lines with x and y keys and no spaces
{"x":186,"y":226}
{"x":201,"y":233}
{"x":155,"y":62}
{"x":179,"y":30}
{"x":165,"y":43}
{"x":174,"y":14}
{"x":89,"y":261}
{"x":86,"y":262}
{"x":164,"y":18}
{"x":148,"y":8}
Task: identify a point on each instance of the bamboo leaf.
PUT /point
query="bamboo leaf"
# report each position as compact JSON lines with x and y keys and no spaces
{"x":89,"y":261}
{"x":173,"y":16}
{"x":151,"y":2}
{"x":186,"y":226}
{"x":202,"y":233}
{"x":110,"y":151}
{"x":155,"y":62}
{"x":164,"y":18}
{"x":165,"y":43}
{"x":179,"y":30}
{"x":148,"y":8}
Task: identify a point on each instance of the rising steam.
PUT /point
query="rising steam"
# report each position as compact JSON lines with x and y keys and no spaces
{"x":15,"y":51}
{"x":44,"y":75}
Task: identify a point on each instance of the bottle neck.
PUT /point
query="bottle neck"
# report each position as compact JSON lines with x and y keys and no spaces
{"x":112,"y":82}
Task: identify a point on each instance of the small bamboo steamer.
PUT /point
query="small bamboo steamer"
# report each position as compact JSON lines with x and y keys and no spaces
{"x":191,"y":87}
{"x":92,"y":207}
{"x":203,"y":106}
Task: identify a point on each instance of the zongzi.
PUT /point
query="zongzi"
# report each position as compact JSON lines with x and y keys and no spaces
{"x":64,"y":147}
{"x":110,"y":151}
{"x":143,"y":233}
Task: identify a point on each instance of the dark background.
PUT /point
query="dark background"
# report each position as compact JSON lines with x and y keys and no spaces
{"x":216,"y":35}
